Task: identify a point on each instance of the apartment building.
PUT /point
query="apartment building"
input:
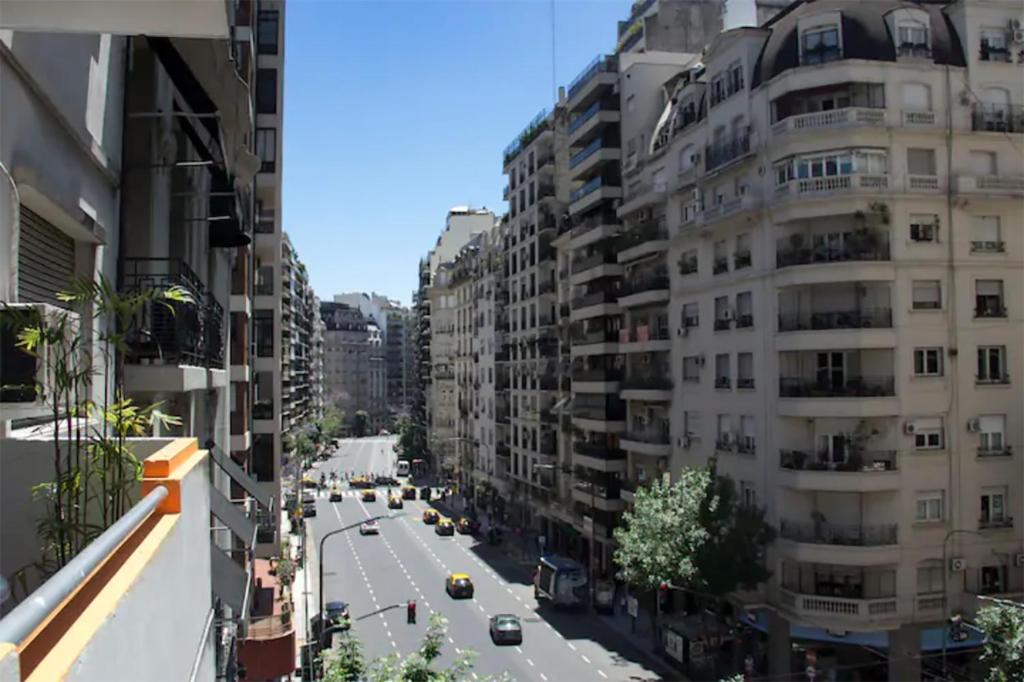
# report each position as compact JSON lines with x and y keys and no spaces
{"x":346,"y":357}
{"x":842,"y":190}
{"x":127,"y":156}
{"x":376,"y":370}
{"x":398,"y":359}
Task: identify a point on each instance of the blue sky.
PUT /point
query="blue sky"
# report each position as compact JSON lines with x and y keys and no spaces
{"x":397,"y":110}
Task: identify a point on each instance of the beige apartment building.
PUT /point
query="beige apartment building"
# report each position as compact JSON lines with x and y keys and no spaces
{"x":843,"y":210}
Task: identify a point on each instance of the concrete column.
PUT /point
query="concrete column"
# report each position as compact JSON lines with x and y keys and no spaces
{"x":904,"y":653}
{"x":780,"y":646}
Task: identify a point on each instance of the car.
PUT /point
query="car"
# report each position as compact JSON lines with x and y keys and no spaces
{"x":506,"y":629}
{"x":408,"y":493}
{"x":335,"y":493}
{"x":308,"y":482}
{"x":395,"y":502}
{"x":444,"y":527}
{"x":370,"y":527}
{"x":360,"y":482}
{"x":467,"y":526}
{"x":459,"y":586}
{"x":369,"y":496}
{"x":430,"y":516}
{"x":308,"y":509}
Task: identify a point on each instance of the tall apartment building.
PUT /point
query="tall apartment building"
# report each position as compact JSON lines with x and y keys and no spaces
{"x":376,"y":382}
{"x":346,"y":357}
{"x":398,"y":358}
{"x":128,"y":155}
{"x":841,"y":189}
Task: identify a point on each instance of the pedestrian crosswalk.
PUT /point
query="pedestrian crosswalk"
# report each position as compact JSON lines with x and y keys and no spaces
{"x":356,"y":494}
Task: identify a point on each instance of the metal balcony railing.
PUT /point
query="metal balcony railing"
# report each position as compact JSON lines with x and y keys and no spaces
{"x":584,"y":263}
{"x":173,"y":333}
{"x":594,"y":298}
{"x":838,"y":319}
{"x":641,"y":234}
{"x":600,"y":64}
{"x":998,"y":118}
{"x":597,"y":374}
{"x":642,"y":283}
{"x":598,"y":450}
{"x":846,"y":534}
{"x":864,"y":245}
{"x":652,"y":382}
{"x":850,"y":462}
{"x":849,"y":387}
{"x":721,"y":153}
{"x":651,"y":437}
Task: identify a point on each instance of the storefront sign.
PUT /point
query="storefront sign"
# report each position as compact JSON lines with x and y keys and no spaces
{"x":674,"y":645}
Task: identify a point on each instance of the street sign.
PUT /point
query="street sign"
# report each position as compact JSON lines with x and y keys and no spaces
{"x":632,"y":606}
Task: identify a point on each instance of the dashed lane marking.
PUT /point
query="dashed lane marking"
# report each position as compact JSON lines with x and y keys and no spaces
{"x":530,"y":662}
{"x":543,"y":677}
{"x":585,"y":659}
{"x":571,"y":646}
{"x":519,"y":649}
{"x":601,"y":673}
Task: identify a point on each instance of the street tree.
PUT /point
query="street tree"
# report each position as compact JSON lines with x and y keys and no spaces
{"x":659,"y":538}
{"x":737,"y":534}
{"x":304,"y":446}
{"x":1003,"y":625}
{"x":333,"y":423}
{"x":360,"y":423}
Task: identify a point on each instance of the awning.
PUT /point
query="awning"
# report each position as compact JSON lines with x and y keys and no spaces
{"x":233,"y":517}
{"x":230,"y":580}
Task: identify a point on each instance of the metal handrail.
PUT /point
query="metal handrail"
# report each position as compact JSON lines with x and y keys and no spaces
{"x":29,"y":614}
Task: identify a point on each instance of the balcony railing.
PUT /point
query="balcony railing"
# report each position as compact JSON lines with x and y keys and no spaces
{"x":1001,"y":451}
{"x":651,"y":437}
{"x":1005,"y":522}
{"x":863,"y":246}
{"x":642,"y":283}
{"x":833,"y":184}
{"x":645,"y":232}
{"x":852,"y":462}
{"x":988,"y":246}
{"x":605,"y":414}
{"x":598,"y":450}
{"x":594,"y":336}
{"x":721,"y":153}
{"x":830,"y":119}
{"x":653,"y":382}
{"x":643,"y":334}
{"x":585,"y":153}
{"x":584,"y":263}
{"x":594,"y":298}
{"x":839,"y":319}
{"x":592,"y":185}
{"x":846,"y":534}
{"x":818,"y":606}
{"x":173,"y":333}
{"x":598,"y":374}
{"x":600,"y":64}
{"x":998,"y":118}
{"x":850,"y":387}
{"x":603,"y":490}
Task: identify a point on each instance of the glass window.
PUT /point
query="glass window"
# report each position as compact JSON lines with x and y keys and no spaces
{"x":930,"y":576}
{"x":266,"y":149}
{"x":266,"y":31}
{"x":928,"y":362}
{"x":927,"y":294}
{"x":928,"y":433}
{"x":992,"y":428}
{"x":266,"y":91}
{"x":921,"y":161}
{"x":820,"y":45}
{"x":930,"y":505}
{"x":912,"y":33}
{"x":991,"y":363}
{"x":993,"y":505}
{"x":924,"y":227}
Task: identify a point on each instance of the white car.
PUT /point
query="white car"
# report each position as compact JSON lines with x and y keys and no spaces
{"x":369,"y":528}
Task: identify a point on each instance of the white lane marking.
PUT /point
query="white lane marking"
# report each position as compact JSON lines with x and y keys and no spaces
{"x":571,"y":646}
{"x":475,"y":676}
{"x":509,"y":590}
{"x":585,"y":659}
{"x":543,"y":677}
{"x":530,"y":662}
{"x":481,"y":608}
{"x":451,"y":641}
{"x":393,"y":645}
{"x":601,"y":673}
{"x":519,"y":650}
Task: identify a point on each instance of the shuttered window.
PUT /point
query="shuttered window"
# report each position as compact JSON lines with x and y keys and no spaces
{"x":46,"y":260}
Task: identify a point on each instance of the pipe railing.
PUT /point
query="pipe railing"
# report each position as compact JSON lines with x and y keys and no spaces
{"x":31,"y":613}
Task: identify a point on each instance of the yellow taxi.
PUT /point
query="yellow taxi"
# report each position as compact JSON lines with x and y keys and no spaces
{"x":335,"y":493}
{"x":467,"y":526}
{"x":430,"y":516}
{"x":369,"y":496}
{"x":408,"y":492}
{"x":395,"y":502}
{"x":459,"y":586}
{"x":444,"y":527}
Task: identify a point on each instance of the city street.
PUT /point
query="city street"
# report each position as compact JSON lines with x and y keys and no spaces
{"x":377,"y":575}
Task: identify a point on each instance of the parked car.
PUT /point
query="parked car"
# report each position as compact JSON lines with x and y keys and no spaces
{"x":369,"y":495}
{"x":408,"y":493}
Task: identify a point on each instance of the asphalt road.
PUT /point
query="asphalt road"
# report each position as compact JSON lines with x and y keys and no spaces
{"x":377,"y":575}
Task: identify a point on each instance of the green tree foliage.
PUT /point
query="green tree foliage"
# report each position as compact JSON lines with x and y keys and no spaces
{"x":360,"y":423}
{"x":333,"y":423}
{"x":345,"y":662}
{"x":733,"y":554}
{"x":410,"y":438}
{"x":304,"y":445}
{"x":1004,"y":641}
{"x":659,"y":538}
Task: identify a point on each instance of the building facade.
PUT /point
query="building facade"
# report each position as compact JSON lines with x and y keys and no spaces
{"x":346,"y":357}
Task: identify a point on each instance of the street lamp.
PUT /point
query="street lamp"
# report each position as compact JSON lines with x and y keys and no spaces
{"x":945,"y":594}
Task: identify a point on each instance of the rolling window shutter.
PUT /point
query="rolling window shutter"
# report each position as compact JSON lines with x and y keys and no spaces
{"x":46,"y":260}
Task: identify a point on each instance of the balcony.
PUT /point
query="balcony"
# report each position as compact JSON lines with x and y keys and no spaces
{"x":994,"y":185}
{"x":856,"y":471}
{"x":721,"y":153}
{"x":827,"y":120}
{"x":593,"y":304}
{"x":648,"y":388}
{"x":653,"y":442}
{"x":594,"y":190}
{"x":845,"y":387}
{"x":643,"y":289}
{"x":829,"y":185}
{"x":843,"y":613}
{"x":860,"y":245}
{"x":600,"y":111}
{"x":583,"y":264}
{"x":185,"y":333}
{"x":593,"y":228}
{"x":644,"y":339}
{"x":845,"y":319}
{"x":995,"y":523}
{"x":648,"y":237}
{"x":604,"y":496}
{"x":600,"y":65}
{"x":839,"y":534}
{"x":997,"y":118}
{"x":597,"y":375}
{"x":988,"y":246}
{"x":598,"y":456}
{"x":594,"y":336}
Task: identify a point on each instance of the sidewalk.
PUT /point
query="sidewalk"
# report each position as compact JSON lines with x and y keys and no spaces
{"x":302,"y":586}
{"x":522,"y":552}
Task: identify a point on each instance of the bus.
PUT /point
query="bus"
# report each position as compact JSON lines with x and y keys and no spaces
{"x":561,"y":580}
{"x":403,"y":467}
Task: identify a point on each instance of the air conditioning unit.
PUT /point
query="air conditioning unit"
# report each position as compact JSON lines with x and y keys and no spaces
{"x":683,"y":332}
{"x":1018,"y":560}
{"x":974,"y":425}
{"x":908,"y":428}
{"x":1017,"y":36}
{"x":957,"y":565}
{"x":1015,"y":25}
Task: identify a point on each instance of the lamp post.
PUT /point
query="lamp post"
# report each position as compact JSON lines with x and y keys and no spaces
{"x":945,"y":594}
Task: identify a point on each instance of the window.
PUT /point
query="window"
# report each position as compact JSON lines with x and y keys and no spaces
{"x":991,"y":364}
{"x":688,"y":262}
{"x":266,"y":31}
{"x":741,"y":257}
{"x":691,"y":315}
{"x":748,"y":494}
{"x":983,"y":163}
{"x":993,"y":506}
{"x":723,"y":377}
{"x":928,"y":433}
{"x":745,"y":370}
{"x":691,"y":369}
{"x":993,"y":45}
{"x":993,"y":579}
{"x":921,"y":161}
{"x":748,"y":435}
{"x":724,"y":440}
{"x":988,"y":298}
{"x":691,"y":424}
{"x":819,"y":45}
{"x":744,"y":310}
{"x":992,"y":429}
{"x":266,"y":149}
{"x":912,"y":39}
{"x":928,"y":362}
{"x":832,"y":164}
{"x":986,"y":234}
{"x":266,"y":91}
{"x":924,"y":227}
{"x":721,"y":262}
{"x":930,"y":505}
{"x":917,"y":97}
{"x":930,"y":576}
{"x":927,"y":294}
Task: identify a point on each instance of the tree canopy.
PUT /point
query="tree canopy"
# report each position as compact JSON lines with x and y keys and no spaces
{"x":360,"y":423}
{"x":1004,"y":641}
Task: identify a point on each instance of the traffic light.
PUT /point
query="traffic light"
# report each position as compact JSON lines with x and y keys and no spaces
{"x":410,"y":612}
{"x":663,"y":596}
